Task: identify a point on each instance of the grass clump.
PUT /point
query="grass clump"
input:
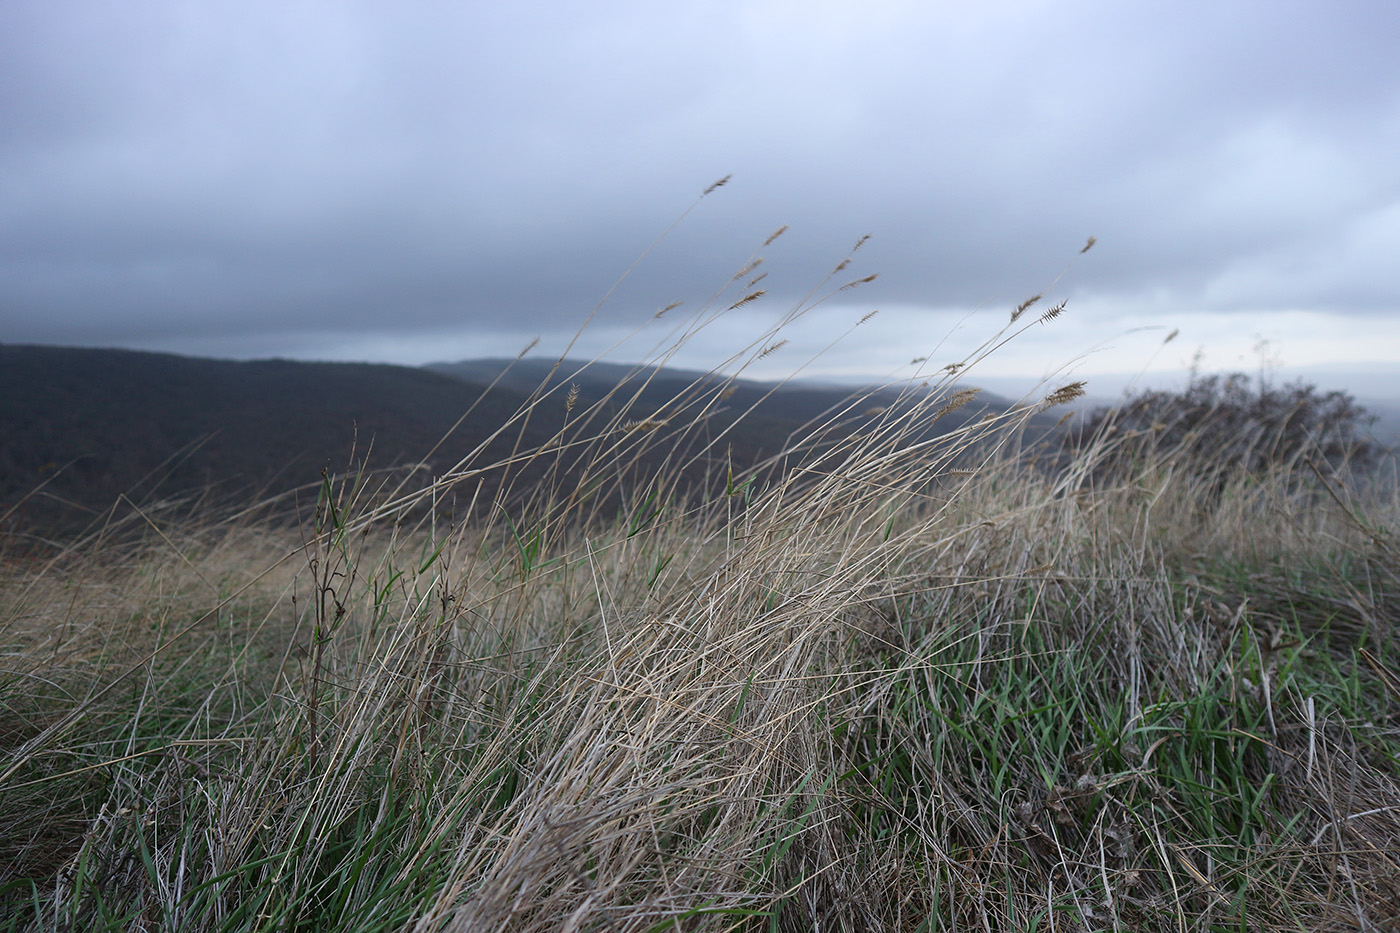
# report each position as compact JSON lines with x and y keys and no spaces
{"x":893,"y":679}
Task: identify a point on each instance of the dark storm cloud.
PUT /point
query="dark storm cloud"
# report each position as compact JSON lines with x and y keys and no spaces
{"x":253,"y":171}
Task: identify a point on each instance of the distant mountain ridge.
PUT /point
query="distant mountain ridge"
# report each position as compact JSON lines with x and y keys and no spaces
{"x":151,"y":425}
{"x":118,"y":422}
{"x":798,"y":401}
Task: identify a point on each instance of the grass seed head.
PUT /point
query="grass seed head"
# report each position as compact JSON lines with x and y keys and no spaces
{"x":1021,"y":308}
{"x":751,"y":296}
{"x":1053,"y":312}
{"x":749,"y":267}
{"x":773,"y":348}
{"x":958,"y":400}
{"x":645,"y":424}
{"x":1062,"y":395}
{"x":719,"y":184}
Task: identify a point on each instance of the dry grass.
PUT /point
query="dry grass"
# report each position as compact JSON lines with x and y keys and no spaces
{"x":907,"y":681}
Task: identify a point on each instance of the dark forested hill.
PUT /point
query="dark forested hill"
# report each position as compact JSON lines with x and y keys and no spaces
{"x":772,"y":410}
{"x":116,"y":422}
{"x":90,"y":426}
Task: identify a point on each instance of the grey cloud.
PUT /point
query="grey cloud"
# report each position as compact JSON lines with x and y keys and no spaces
{"x":233,"y":170}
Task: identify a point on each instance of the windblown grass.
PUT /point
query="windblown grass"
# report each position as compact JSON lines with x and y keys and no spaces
{"x":893,"y":680}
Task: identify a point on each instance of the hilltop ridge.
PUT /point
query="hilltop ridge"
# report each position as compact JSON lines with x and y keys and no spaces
{"x":86,"y":426}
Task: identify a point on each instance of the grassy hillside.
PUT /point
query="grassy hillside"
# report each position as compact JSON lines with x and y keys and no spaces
{"x":920,"y":683}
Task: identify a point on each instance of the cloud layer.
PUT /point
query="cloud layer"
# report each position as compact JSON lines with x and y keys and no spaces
{"x":413,"y":181}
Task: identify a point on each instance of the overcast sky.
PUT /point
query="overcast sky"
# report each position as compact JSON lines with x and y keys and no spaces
{"x":418,"y":181}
